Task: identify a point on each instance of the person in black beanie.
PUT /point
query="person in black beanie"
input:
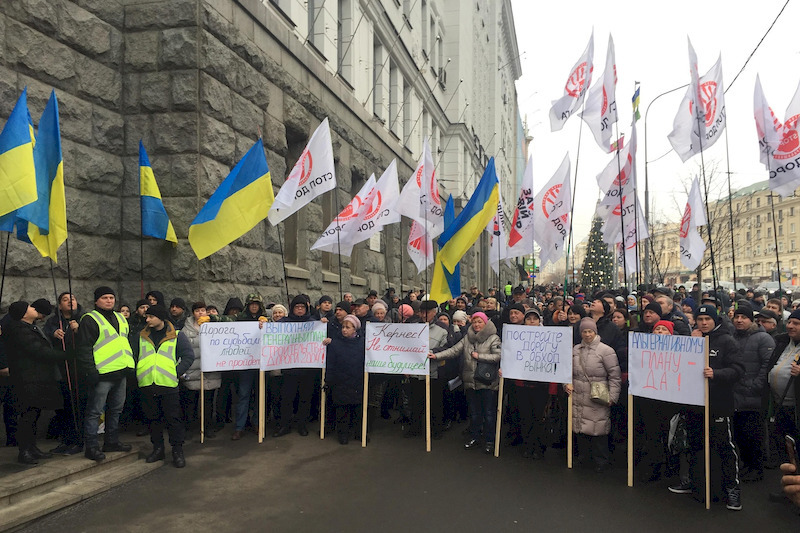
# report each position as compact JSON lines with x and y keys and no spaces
{"x":297,"y":382}
{"x":32,"y":364}
{"x":324,"y":309}
{"x":177,"y":313}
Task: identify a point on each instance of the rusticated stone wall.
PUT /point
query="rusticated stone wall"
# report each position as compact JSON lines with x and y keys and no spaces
{"x":198,"y":81}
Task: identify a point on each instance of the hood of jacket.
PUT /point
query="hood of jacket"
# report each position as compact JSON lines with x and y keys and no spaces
{"x":480,"y":336}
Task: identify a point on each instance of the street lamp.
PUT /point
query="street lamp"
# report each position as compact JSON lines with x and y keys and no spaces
{"x":647,"y":275}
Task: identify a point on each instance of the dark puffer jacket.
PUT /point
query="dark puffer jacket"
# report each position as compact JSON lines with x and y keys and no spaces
{"x":756,"y":346}
{"x":32,"y":363}
{"x":726,"y":361}
{"x":344,"y":369}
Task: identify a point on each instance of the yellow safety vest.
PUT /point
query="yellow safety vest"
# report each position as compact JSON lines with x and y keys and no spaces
{"x":157,"y":366}
{"x":112,"y":351}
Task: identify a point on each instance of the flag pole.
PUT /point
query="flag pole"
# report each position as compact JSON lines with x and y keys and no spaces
{"x":705,"y":190}
{"x":338,"y":243}
{"x":621,"y":203}
{"x":283,"y":262}
{"x":572,"y":212}
{"x":730,"y":209}
{"x":72,"y":401}
{"x":400,"y":226}
{"x":141,"y":239}
{"x":5,"y":262}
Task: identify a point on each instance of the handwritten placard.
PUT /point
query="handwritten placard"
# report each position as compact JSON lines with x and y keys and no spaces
{"x":667,"y":367}
{"x":534,"y":353}
{"x":230,"y":346}
{"x":396,"y":349}
{"x":293,"y":345}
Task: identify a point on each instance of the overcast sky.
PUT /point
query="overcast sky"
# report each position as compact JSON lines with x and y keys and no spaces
{"x":651,"y":48}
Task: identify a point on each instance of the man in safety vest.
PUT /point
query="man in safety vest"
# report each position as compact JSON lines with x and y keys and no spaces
{"x":163,"y":355}
{"x":105,"y":358}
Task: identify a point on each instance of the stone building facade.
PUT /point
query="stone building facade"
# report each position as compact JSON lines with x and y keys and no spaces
{"x":200,"y":80}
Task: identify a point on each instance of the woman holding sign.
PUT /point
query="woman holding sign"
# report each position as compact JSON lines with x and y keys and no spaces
{"x":479,"y":349}
{"x":596,"y":385}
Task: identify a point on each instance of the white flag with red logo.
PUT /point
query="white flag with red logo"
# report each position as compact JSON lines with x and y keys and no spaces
{"x":768,"y":127}
{"x":704,"y":123}
{"x":379,"y":207}
{"x":335,"y":237}
{"x":600,"y":111}
{"x":784,"y":159}
{"x":574,"y":90}
{"x":692,"y":245}
{"x":497,"y":240}
{"x":520,"y":236}
{"x":313,"y":174}
{"x":551,"y":214}
{"x":420,"y":246}
{"x":634,"y":232}
{"x":419,"y":199}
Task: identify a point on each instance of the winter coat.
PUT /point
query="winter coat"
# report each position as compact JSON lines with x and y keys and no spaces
{"x":211,"y":380}
{"x":756,"y":347}
{"x":32,"y":362}
{"x":781,"y":342}
{"x":69,"y":343}
{"x":593,"y":362}
{"x":437,"y":341}
{"x":486,"y":343}
{"x":726,"y":361}
{"x":344,"y":369}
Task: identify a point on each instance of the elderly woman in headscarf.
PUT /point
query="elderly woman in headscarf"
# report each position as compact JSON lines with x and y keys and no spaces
{"x":593,"y":362}
{"x":344,"y":363}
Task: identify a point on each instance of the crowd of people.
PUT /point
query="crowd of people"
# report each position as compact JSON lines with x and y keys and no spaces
{"x":137,"y":368}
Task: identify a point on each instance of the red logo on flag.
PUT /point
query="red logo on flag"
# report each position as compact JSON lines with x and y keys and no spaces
{"x":708,"y":94}
{"x":550,"y":201}
{"x":622,"y":178}
{"x":375,"y":207}
{"x":577,"y":81}
{"x":790,"y":143}
{"x":604,"y":108}
{"x":687,"y":217}
{"x":351,"y":211}
{"x":301,"y":169}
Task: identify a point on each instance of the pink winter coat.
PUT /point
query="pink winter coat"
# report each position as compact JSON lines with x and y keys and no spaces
{"x":593,"y":362}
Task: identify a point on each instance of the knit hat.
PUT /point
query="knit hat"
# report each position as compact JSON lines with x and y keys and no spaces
{"x":518,"y":307}
{"x":280,"y":307}
{"x":588,"y":323}
{"x":178,"y":302}
{"x":324,"y":298}
{"x":254,"y":297}
{"x":406,"y":311}
{"x":158,"y":311}
{"x":460,"y":315}
{"x":344,"y":306}
{"x":298,"y":300}
{"x":42,"y":306}
{"x":533,"y":311}
{"x":380,"y":304}
{"x":427,"y":305}
{"x":102,"y":291}
{"x":690,"y":302}
{"x":353,"y":319}
{"x":744,"y":309}
{"x":708,"y":310}
{"x":795,"y":314}
{"x":140,"y":303}
{"x":655,"y":307}
{"x":18,"y":309}
{"x":667,"y":324}
{"x":481,"y":315}
{"x":606,"y":306}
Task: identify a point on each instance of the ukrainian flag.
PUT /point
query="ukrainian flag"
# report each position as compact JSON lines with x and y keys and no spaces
{"x":155,"y":222}
{"x":454,"y":279}
{"x":240,"y":202}
{"x":47,"y":217}
{"x":17,"y":171}
{"x":465,"y":230}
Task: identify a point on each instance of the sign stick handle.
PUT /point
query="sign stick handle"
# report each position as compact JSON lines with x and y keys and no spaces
{"x":427,"y":412}
{"x":499,"y":423}
{"x":322,"y":408}
{"x":260,"y":406}
{"x":706,"y":437}
{"x":364,"y":411}
{"x":630,"y":440}
{"x":202,"y":410}
{"x":569,"y":430}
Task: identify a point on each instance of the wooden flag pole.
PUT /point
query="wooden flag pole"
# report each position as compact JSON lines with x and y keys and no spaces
{"x":706,"y":437}
{"x":364,"y":411}
{"x":202,"y":410}
{"x":630,"y":440}
{"x":260,"y":406}
{"x":428,"y":412}
{"x":569,"y":430}
{"x":322,"y":408}
{"x":499,"y":423}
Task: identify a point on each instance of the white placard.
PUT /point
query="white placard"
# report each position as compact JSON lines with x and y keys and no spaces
{"x":229,"y":346}
{"x":667,"y":367}
{"x":396,"y":349}
{"x":293,"y":345}
{"x":537,"y":353}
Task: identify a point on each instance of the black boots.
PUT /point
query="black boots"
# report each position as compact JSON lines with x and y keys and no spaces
{"x":177,"y":457}
{"x":156,"y":455}
{"x":94,"y":453}
{"x":116,"y":447}
{"x":25,"y":457}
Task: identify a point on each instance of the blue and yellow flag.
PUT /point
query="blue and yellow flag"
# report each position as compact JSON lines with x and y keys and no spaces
{"x":17,"y":171}
{"x":240,"y":202}
{"x":47,"y":216}
{"x":454,"y":279}
{"x":635,"y":102}
{"x":465,"y":230}
{"x":155,"y":221}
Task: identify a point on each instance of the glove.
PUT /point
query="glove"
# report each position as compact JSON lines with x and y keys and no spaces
{"x":202,"y":320}
{"x":263,"y":319}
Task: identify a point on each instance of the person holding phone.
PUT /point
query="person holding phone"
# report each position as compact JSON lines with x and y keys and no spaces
{"x":791,"y":483}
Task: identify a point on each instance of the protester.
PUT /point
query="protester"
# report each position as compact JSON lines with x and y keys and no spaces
{"x":297,"y":382}
{"x":344,"y":374}
{"x":254,"y":311}
{"x":191,"y":382}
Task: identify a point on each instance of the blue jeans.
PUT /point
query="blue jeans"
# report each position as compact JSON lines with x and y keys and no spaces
{"x":247,"y":380}
{"x":108,"y":396}
{"x":482,"y":413}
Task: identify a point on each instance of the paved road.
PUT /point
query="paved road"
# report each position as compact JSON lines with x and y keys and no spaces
{"x":304,"y":484}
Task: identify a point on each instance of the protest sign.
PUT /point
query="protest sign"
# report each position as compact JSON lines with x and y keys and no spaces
{"x":537,"y":353}
{"x":396,"y":349}
{"x":229,"y":346}
{"x":667,"y":367}
{"x":293,"y":345}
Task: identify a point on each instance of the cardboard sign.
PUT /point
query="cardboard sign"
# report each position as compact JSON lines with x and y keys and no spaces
{"x":667,"y":367}
{"x":534,"y":353}
{"x":230,"y":346}
{"x":293,"y":345}
{"x":396,"y":349}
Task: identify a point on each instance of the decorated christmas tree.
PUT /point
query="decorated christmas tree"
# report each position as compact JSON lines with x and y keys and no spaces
{"x":598,"y":267}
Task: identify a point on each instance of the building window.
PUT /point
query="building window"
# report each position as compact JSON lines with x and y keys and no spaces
{"x":791,"y":211}
{"x":380,"y":88}
{"x":780,"y":246}
{"x":758,"y":202}
{"x":294,"y":250}
{"x":395,"y":90}
{"x":344,"y":37}
{"x":408,"y":94}
{"x":780,"y":231}
{"x":791,"y":227}
{"x":758,"y":234}
{"x":769,"y":233}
